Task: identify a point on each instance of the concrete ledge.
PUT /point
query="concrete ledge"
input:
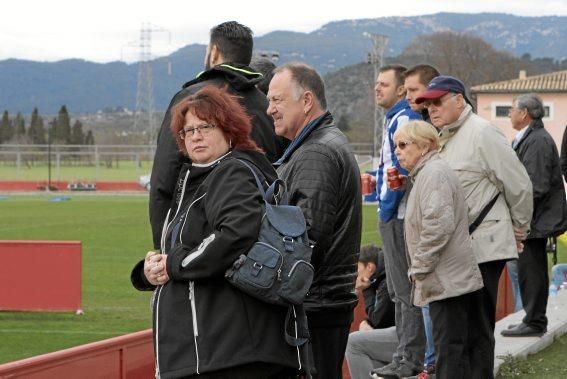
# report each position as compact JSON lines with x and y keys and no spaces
{"x":521,"y":347}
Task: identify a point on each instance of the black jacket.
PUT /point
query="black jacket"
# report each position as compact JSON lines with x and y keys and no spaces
{"x":564,"y":154}
{"x":323,"y":179}
{"x":380,"y":310}
{"x":168,"y":160}
{"x":201,"y":322}
{"x":538,"y":153}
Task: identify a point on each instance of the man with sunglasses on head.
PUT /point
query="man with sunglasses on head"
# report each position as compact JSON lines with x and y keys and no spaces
{"x":226,"y":65}
{"x":495,"y":181}
{"x":408,"y":357}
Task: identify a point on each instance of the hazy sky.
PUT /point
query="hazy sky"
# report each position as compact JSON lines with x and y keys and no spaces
{"x":105,"y":30}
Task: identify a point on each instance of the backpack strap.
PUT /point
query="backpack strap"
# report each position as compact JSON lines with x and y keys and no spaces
{"x":276,"y":192}
{"x":296,"y":320}
{"x":296,"y":330}
{"x":258,"y":181}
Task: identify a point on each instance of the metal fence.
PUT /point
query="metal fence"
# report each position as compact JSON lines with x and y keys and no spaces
{"x":16,"y":160}
{"x":73,"y":154}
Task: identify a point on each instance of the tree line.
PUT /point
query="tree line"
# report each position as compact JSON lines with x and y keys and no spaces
{"x":56,"y":131}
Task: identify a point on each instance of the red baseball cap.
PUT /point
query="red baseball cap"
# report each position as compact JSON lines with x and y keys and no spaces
{"x":440,"y":86}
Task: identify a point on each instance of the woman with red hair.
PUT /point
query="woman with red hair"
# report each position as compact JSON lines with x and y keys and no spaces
{"x":202,"y":324}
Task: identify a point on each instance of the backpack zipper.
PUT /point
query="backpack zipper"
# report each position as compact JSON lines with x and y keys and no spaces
{"x":279,"y":271}
{"x":295,"y":265}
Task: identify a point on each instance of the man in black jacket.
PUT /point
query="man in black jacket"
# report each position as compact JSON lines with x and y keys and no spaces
{"x":226,"y":64}
{"x":323,"y":179}
{"x":538,"y":153}
{"x":564,"y":154}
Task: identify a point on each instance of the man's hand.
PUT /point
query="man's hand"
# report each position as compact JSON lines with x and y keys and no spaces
{"x":365,"y":326}
{"x":520,"y":236}
{"x":362,"y":283}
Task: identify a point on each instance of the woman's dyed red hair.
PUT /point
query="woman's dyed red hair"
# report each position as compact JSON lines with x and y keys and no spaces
{"x":217,"y":107}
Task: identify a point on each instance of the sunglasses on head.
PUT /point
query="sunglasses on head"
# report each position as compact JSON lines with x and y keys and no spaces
{"x":402,"y":144}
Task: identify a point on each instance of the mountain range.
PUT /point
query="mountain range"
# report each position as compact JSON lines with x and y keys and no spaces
{"x":87,"y":86}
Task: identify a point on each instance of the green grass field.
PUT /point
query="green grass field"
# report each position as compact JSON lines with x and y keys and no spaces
{"x":121,"y":171}
{"x":115,"y":235}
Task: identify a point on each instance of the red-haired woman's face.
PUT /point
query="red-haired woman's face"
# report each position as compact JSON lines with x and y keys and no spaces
{"x":204,"y":142}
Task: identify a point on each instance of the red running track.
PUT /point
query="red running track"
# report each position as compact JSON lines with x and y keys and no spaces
{"x":32,"y":186}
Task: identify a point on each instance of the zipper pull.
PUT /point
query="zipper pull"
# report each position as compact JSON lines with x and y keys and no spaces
{"x":280,"y":274}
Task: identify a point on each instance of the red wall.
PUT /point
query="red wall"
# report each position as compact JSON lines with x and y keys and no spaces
{"x":42,"y":275}
{"x":126,"y":357}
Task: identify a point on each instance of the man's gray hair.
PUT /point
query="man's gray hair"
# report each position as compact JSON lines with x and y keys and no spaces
{"x":532,"y":103}
{"x":307,"y":79}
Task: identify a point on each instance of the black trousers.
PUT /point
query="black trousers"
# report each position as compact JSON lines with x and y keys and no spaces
{"x":328,"y":345}
{"x":534,"y":279}
{"x":452,"y":335}
{"x":483,"y":319}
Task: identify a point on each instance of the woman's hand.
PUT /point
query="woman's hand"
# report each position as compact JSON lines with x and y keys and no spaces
{"x":155,"y":268}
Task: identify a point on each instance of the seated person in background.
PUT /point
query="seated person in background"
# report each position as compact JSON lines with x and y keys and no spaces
{"x":373,"y":345}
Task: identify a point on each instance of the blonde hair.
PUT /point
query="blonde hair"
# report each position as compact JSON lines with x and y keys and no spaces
{"x":422,"y":133}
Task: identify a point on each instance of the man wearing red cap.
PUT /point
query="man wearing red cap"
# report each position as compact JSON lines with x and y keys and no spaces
{"x":496,"y":184}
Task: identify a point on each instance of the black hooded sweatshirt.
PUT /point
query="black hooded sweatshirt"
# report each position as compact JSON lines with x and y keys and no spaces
{"x":240,"y":80}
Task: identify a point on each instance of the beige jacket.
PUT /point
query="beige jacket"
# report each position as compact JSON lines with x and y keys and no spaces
{"x":442,"y":262}
{"x":486,"y":164}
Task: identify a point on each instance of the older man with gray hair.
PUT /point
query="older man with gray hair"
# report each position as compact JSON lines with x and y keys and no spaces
{"x":323,"y":179}
{"x":538,"y":153}
{"x":498,"y":193}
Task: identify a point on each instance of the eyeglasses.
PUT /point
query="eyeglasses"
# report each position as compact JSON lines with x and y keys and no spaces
{"x":402,"y":144}
{"x":205,"y":129}
{"x":439,"y":101}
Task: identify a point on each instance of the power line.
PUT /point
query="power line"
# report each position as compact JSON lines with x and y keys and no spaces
{"x":144,"y":115}
{"x":377,"y":59}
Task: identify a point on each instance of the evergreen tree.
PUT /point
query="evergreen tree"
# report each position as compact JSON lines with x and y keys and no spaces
{"x":62,"y":131}
{"x":19,"y":129}
{"x":19,"y":125}
{"x":36,"y":131}
{"x":89,"y":139}
{"x":77,"y":135}
{"x":6,"y":130}
{"x":343,"y":123}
